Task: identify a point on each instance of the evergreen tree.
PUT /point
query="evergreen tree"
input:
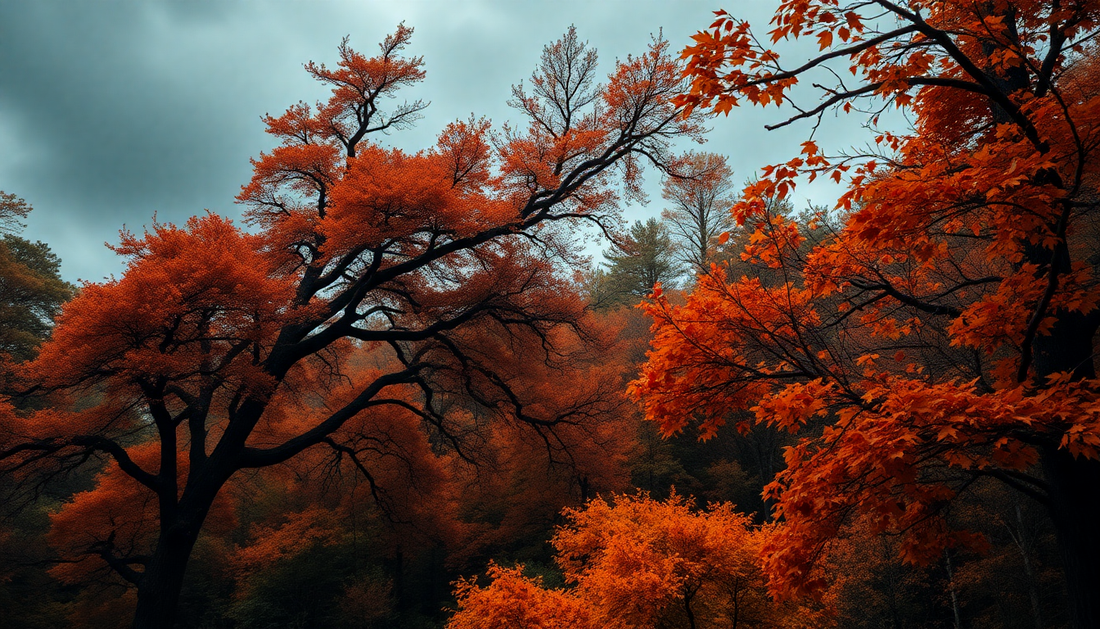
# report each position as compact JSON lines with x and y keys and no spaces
{"x":646,"y":256}
{"x":31,"y":288}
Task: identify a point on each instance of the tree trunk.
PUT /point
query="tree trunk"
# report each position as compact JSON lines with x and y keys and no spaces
{"x":954,"y":593}
{"x":1029,"y":571}
{"x":162,"y":581}
{"x":687,"y":609}
{"x":1074,"y":482}
{"x":1075,"y":512}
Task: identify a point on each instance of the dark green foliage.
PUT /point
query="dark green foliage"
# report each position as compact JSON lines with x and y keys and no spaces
{"x":645,"y":257}
{"x":31,"y":292}
{"x":320,"y":587}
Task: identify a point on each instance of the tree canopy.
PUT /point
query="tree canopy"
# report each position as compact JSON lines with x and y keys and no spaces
{"x":945,"y":333}
{"x":31,"y":289}
{"x":207,"y":356}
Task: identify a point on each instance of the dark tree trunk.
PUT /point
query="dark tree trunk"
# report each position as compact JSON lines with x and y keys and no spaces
{"x":159,"y":589}
{"x":160,"y":584}
{"x":687,"y":609}
{"x":1073,"y":482}
{"x":1075,"y":511}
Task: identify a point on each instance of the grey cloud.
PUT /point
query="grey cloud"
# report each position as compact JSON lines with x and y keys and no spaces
{"x":112,"y":111}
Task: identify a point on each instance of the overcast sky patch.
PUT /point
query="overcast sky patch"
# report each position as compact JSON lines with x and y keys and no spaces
{"x":113,"y":111}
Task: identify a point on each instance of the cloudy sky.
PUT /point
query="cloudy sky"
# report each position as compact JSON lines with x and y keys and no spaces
{"x":114,"y":111}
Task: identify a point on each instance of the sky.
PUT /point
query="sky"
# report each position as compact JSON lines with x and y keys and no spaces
{"x":113,"y":112}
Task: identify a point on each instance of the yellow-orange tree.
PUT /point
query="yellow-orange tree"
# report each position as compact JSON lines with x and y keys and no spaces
{"x":637,"y":562}
{"x":945,"y":332}
{"x":214,"y":351}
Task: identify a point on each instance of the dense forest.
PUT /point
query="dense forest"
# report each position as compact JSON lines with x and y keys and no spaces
{"x":398,"y":393}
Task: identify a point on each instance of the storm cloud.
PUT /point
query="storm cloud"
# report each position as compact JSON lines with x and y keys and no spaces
{"x":112,"y":112}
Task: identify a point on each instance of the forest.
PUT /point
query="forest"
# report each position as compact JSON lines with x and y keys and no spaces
{"x":399,"y":392}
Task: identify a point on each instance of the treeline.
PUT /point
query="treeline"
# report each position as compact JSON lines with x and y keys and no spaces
{"x":315,"y":543}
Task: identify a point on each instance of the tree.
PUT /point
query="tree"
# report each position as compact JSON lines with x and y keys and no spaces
{"x":946,"y":333}
{"x":514,"y":601}
{"x":636,"y":562}
{"x":207,"y":348}
{"x":644,"y":258}
{"x":869,"y":586}
{"x":701,"y":195}
{"x":31,"y":289}
{"x":31,"y":292}
{"x":646,"y":563}
{"x":534,"y":476}
{"x":12,"y":208}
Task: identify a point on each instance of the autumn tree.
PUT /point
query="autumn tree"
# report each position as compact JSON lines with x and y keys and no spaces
{"x":202,"y":360}
{"x":648,"y":563}
{"x":946,"y":333}
{"x":535,"y":473}
{"x":870,"y":586}
{"x":700,"y":194}
{"x":637,"y":562}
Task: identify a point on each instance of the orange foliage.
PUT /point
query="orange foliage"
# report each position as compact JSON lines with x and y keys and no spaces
{"x":514,"y":601}
{"x":569,"y":445}
{"x":945,"y":331}
{"x":640,"y":563}
{"x":443,"y":271}
{"x":641,"y":560}
{"x":182,"y":287}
